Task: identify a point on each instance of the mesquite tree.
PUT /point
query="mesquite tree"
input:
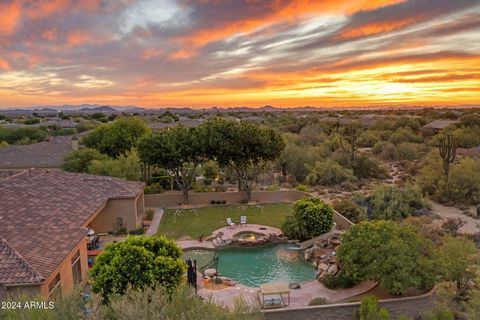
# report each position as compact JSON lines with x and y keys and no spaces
{"x":243,"y":147}
{"x":179,"y":150}
{"x":448,"y":151}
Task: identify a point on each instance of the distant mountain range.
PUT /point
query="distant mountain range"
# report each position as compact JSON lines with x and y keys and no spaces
{"x":92,"y":108}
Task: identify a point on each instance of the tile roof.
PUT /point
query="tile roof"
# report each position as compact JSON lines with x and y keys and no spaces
{"x":43,"y":215}
{"x":37,"y":252}
{"x":14,"y":269}
{"x":46,"y":154}
{"x":36,"y":198}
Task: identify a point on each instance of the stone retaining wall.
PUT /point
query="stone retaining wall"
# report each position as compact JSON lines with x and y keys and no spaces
{"x":410,"y":306}
{"x":174,"y":199}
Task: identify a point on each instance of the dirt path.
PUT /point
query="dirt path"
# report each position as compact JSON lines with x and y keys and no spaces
{"x":471,"y":225}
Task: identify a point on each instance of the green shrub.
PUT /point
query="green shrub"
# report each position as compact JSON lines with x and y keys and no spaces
{"x":302,"y":187}
{"x":329,"y":172}
{"x":439,"y":313}
{"x":463,"y":186}
{"x":394,"y":203}
{"x":370,"y":310}
{"x":404,"y":135}
{"x":311,"y":218}
{"x":273,"y":187}
{"x":318,"y":302}
{"x":338,"y":281}
{"x":153,"y":188}
{"x":407,"y":151}
{"x":149,"y":213}
{"x":138,"y":262}
{"x":385,"y":150}
{"x":80,"y":160}
{"x":368,"y":138}
{"x":365,"y":167}
{"x":350,"y":210}
{"x":393,"y":255}
{"x":138,"y":231}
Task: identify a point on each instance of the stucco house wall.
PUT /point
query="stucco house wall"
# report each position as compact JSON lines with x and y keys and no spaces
{"x":66,"y":276}
{"x":65,"y":269}
{"x":130,"y":210}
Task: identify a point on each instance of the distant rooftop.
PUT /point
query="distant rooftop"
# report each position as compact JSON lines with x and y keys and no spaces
{"x":440,"y":124}
{"x":46,"y":154}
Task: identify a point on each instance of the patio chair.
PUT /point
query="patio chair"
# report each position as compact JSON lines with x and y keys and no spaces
{"x":230,"y":223}
{"x":243,"y":220}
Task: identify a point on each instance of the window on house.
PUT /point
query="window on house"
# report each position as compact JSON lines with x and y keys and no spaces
{"x":76,"y":268}
{"x":54,"y":285}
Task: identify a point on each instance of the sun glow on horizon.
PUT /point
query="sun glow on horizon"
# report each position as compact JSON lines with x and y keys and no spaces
{"x":202,"y":54}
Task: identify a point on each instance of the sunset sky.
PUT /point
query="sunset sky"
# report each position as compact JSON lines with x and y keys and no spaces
{"x":157,"y":53}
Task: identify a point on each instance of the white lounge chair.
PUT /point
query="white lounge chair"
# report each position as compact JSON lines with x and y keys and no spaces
{"x":230,"y":223}
{"x":243,"y":220}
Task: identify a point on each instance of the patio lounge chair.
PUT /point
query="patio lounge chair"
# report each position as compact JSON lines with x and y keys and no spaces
{"x":243,"y":220}
{"x":230,"y":223}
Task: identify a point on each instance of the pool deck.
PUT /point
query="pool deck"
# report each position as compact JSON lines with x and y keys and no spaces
{"x":298,"y":297}
{"x":228,"y":233}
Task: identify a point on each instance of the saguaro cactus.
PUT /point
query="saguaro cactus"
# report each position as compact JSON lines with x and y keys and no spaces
{"x":448,"y":151}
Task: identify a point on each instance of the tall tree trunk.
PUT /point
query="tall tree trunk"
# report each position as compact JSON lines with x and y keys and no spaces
{"x":186,"y":198}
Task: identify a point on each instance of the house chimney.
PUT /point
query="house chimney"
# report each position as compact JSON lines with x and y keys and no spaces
{"x":74,"y":143}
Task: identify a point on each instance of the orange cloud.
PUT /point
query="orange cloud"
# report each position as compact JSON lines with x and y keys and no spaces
{"x":292,"y":11}
{"x":9,"y":16}
{"x":38,"y":9}
{"x":150,"y":53}
{"x":4,"y":64}
{"x":376,"y":28}
{"x":182,"y":54}
{"x":77,"y":37}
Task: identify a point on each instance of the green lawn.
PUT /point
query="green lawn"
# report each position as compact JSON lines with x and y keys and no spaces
{"x":204,"y":221}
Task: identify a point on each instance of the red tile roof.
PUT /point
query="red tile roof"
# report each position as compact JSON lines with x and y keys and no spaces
{"x":43,"y":216}
{"x":39,"y":198}
{"x":14,"y":268}
{"x":41,"y":249}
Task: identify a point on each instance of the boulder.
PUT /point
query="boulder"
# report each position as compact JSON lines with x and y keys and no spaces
{"x":335,"y":242}
{"x":323,"y":267}
{"x":210,"y":272}
{"x":294,"y":285}
{"x":332,"y":270}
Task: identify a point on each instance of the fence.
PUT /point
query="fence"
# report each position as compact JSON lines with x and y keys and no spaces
{"x":410,"y":306}
{"x":174,"y":199}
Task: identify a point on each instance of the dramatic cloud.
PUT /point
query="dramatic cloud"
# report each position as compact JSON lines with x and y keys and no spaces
{"x":232,"y":53}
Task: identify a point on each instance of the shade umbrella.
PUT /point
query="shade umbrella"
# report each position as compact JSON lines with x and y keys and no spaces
{"x":191,"y":274}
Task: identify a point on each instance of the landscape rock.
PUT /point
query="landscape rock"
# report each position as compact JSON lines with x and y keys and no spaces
{"x":294,"y":285}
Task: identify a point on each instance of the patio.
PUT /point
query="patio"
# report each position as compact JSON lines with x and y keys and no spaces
{"x":227,"y":235}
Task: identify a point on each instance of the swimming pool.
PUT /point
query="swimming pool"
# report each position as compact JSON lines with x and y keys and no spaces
{"x":255,"y":266}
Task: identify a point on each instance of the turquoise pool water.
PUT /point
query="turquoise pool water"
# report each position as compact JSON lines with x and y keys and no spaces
{"x":259,"y":265}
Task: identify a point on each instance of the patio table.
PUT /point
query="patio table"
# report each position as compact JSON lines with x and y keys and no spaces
{"x":276,"y":290}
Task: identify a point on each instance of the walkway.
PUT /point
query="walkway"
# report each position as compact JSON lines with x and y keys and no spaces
{"x":471,"y":225}
{"x":152,"y":230}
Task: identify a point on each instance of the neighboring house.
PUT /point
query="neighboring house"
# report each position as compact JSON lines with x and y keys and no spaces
{"x":47,"y":154}
{"x":62,"y":123}
{"x":438,"y":125}
{"x":44,"y":219}
{"x":186,"y":122}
